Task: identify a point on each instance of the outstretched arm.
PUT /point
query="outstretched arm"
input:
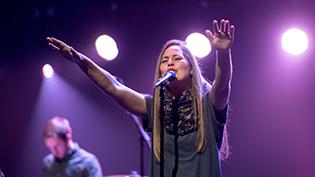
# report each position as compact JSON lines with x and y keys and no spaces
{"x":221,"y":40}
{"x":129,"y":99}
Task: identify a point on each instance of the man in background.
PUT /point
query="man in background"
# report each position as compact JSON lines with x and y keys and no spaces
{"x":66,"y":159}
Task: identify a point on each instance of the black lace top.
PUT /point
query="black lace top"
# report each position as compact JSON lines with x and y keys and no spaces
{"x":179,"y":115}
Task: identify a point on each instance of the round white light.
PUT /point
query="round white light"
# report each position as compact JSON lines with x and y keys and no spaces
{"x":106,"y":47}
{"x":294,"y":41}
{"x":198,"y":44}
{"x":48,"y":71}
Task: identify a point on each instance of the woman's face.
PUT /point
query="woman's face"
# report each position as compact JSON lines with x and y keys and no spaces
{"x":173,"y":59}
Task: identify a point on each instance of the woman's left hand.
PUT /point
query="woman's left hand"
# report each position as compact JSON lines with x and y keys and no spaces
{"x":222,"y":37}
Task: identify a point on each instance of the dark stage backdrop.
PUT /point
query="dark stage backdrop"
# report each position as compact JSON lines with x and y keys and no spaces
{"x":272,"y":123}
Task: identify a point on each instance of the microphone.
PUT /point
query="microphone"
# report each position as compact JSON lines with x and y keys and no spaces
{"x":169,"y":76}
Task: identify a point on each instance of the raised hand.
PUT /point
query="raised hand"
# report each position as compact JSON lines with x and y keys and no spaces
{"x":64,"y":49}
{"x":222,"y":36}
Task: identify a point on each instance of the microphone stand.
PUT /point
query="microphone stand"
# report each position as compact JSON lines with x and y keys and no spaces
{"x":162,"y":130}
{"x":144,"y":137}
{"x":169,"y":76}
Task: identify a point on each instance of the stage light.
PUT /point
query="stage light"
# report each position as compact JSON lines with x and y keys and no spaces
{"x":198,"y":44}
{"x":106,"y":47}
{"x":48,"y":71}
{"x":294,"y":41}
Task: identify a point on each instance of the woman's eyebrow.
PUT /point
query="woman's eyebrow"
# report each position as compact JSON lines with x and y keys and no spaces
{"x":176,"y":55}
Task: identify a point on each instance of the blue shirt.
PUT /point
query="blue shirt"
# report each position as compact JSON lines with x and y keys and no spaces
{"x":76,"y":163}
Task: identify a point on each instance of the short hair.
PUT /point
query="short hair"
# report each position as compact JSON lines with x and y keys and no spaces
{"x":57,"y":127}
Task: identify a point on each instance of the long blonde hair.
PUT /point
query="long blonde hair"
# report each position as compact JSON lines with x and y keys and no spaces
{"x":199,"y":88}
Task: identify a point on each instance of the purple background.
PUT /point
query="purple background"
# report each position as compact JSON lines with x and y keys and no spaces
{"x":271,"y":127}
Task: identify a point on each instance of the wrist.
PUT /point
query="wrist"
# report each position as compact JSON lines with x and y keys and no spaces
{"x":81,"y":61}
{"x":223,"y":52}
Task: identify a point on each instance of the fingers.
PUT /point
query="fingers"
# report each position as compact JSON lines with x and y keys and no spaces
{"x":225,"y":26}
{"x":57,"y":43}
{"x":51,"y":40}
{"x":215,"y":27}
{"x":60,"y":47}
{"x":232,"y":31}
{"x":209,"y":35}
{"x":51,"y":44}
{"x":54,"y":47}
{"x":222,"y":25}
{"x":224,"y":29}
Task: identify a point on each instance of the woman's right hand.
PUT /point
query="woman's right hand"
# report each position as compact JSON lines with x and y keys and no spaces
{"x":64,"y":49}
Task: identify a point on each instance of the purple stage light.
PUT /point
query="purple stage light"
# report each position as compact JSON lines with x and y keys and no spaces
{"x":48,"y":71}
